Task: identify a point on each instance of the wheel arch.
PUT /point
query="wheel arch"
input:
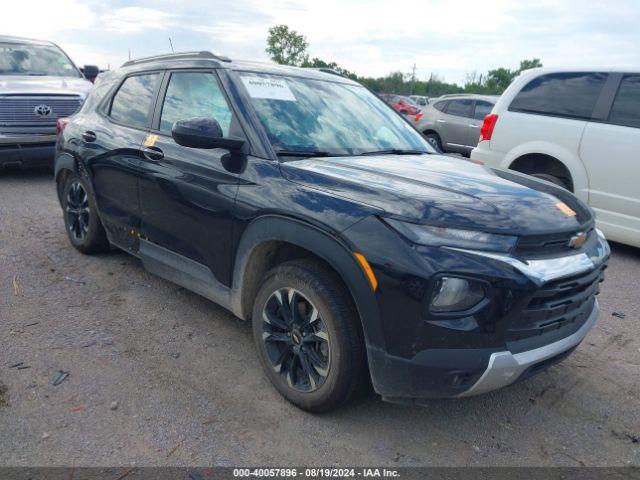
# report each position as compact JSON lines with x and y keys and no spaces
{"x":272,"y":239}
{"x":64,"y":165}
{"x":554,"y":153}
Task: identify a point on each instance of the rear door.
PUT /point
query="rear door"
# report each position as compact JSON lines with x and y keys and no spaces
{"x":454,"y":124}
{"x":186,"y":194}
{"x":610,"y":151}
{"x":481,"y":109}
{"x":111,"y":149}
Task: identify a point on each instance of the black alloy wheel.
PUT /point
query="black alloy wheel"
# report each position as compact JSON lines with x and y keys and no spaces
{"x":77,"y":211}
{"x":82,"y":223}
{"x":296,"y":340}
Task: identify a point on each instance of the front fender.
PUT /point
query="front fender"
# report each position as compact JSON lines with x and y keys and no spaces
{"x":333,"y":250}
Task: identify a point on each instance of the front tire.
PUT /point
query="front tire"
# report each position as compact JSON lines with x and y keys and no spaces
{"x":82,"y":224}
{"x":308,"y":336}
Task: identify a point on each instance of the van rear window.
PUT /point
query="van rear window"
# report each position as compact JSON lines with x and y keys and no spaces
{"x":569,"y":94}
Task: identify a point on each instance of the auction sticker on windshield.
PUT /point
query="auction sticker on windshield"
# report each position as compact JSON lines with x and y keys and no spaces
{"x":268,"y":88}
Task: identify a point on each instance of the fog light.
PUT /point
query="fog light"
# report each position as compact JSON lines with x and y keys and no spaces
{"x":454,"y":294}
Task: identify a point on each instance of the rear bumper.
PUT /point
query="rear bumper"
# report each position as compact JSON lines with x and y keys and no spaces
{"x":29,"y":150}
{"x":489,"y":157}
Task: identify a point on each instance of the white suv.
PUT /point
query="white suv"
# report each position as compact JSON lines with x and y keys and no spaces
{"x":579,"y":128}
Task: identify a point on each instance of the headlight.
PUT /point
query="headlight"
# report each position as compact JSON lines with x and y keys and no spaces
{"x":452,"y":237}
{"x":453,"y":294}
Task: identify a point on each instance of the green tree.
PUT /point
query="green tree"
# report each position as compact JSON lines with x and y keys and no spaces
{"x":286,"y":46}
{"x":316,"y":62}
{"x":527,"y":64}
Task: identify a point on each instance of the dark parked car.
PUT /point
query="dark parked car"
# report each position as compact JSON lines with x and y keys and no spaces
{"x":300,"y":201}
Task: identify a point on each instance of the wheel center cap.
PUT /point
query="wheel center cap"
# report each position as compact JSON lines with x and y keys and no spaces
{"x":296,"y":338}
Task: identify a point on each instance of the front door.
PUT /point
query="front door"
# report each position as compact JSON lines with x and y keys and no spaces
{"x":186,"y":194}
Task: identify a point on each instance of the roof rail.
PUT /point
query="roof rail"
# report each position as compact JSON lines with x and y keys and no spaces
{"x":332,"y":71}
{"x":459,"y":95}
{"x":177,"y":56}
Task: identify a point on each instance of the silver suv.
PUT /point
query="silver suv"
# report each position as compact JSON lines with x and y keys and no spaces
{"x":38,"y":84}
{"x":452,"y":123}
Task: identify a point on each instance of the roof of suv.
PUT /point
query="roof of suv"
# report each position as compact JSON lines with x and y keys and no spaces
{"x":205,"y":59}
{"x":23,"y":41}
{"x":472,"y":96}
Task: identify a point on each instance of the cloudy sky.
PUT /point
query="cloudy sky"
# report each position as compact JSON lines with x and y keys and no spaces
{"x":370,"y":37}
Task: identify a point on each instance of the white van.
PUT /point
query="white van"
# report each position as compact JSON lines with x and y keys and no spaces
{"x":579,"y":128}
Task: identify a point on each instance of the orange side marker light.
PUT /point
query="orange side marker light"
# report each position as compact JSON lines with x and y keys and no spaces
{"x":368,"y":271}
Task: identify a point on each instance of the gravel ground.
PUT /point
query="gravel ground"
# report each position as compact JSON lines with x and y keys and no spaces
{"x":190,"y":390}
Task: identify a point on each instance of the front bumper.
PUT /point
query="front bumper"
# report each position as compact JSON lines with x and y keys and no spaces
{"x":33,"y":149}
{"x":422,"y":357}
{"x":506,"y":368}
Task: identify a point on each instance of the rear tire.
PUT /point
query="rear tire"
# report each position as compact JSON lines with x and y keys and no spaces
{"x":434,"y":141}
{"x":308,"y":336}
{"x":82,"y":224}
{"x":553,"y":179}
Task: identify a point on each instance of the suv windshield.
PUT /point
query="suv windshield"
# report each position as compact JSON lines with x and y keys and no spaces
{"x":23,"y":59}
{"x":300,"y":115}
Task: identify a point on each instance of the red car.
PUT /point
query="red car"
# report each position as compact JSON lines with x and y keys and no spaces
{"x":400,"y":104}
{"x":403,"y":105}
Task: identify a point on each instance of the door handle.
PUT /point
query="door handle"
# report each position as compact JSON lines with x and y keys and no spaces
{"x":89,"y":136}
{"x":441,"y":121}
{"x":152,"y":153}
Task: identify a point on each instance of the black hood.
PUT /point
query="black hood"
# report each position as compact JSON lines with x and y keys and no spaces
{"x":445,"y":191}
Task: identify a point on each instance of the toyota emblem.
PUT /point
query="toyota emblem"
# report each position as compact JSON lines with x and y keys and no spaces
{"x":42,"y":110}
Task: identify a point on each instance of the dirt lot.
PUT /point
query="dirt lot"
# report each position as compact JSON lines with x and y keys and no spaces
{"x":190,"y":391}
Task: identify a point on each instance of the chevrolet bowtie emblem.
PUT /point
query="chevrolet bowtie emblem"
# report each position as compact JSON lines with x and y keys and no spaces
{"x":578,"y":240}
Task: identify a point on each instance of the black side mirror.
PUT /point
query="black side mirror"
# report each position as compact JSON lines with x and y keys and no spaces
{"x":203,"y":132}
{"x":90,"y":72}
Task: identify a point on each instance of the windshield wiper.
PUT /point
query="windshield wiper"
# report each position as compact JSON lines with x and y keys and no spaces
{"x":394,"y":151}
{"x":303,"y":153}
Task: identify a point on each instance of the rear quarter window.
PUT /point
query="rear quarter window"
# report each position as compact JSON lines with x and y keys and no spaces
{"x":570,"y":94}
{"x":95,"y":96}
{"x":131,"y":104}
{"x":440,"y":106}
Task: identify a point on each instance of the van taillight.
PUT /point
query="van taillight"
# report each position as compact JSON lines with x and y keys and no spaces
{"x":60,"y":124}
{"x":487,"y":126}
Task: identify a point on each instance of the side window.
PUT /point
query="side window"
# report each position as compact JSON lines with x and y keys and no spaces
{"x":626,"y":107}
{"x":482,"y":109}
{"x":440,"y":106}
{"x":194,"y":94}
{"x":132,"y":103}
{"x":571,"y":94}
{"x":460,"y":108}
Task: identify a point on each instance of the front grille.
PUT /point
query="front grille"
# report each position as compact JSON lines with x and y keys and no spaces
{"x":559,"y":303}
{"x":534,"y":245}
{"x":20,"y":110}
